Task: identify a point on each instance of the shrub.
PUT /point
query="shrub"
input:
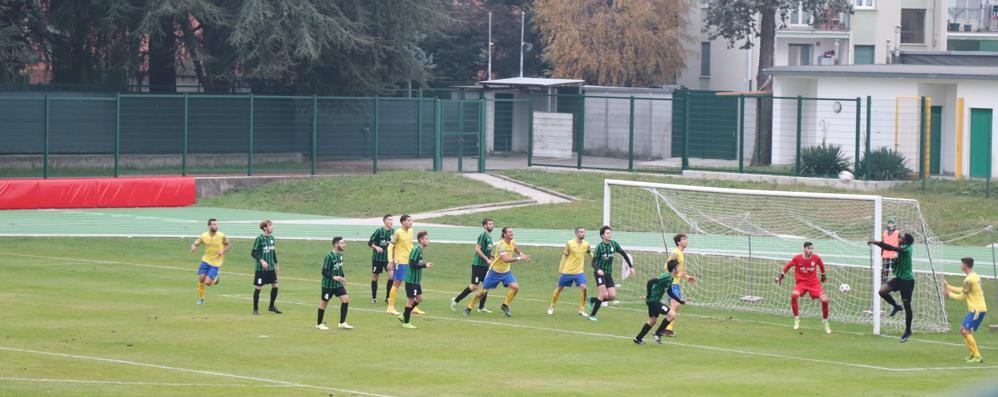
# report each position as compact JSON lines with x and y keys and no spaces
{"x":885,"y":165}
{"x":822,"y":160}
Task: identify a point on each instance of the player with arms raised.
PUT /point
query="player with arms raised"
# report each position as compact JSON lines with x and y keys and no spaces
{"x":807,"y":282}
{"x":972,"y":291}
{"x":904,"y":281}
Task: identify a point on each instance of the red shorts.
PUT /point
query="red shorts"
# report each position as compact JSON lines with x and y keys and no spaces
{"x":812,"y":288}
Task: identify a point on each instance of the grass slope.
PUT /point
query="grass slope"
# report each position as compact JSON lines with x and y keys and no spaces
{"x":133,"y":300}
{"x":398,"y":192}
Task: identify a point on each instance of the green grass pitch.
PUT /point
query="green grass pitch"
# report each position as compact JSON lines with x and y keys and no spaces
{"x":95,"y":316}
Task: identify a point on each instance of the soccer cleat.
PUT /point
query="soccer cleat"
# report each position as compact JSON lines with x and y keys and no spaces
{"x":589,"y":306}
{"x":416,"y":310}
{"x":796,"y":323}
{"x":392,"y":311}
{"x":669,"y":333}
{"x":453,"y":305}
{"x":274,"y":309}
{"x":972,"y":360}
{"x":583,"y":313}
{"x":256,"y":312}
{"x":905,"y":336}
{"x":322,"y":327}
{"x":386,"y":299}
{"x":828,"y":329}
{"x":638,"y":341}
{"x":467,"y":312}
{"x":374,"y":301}
{"x":200,"y":301}
{"x":550,"y":310}
{"x":408,"y":326}
{"x":484,"y":310}
{"x":344,"y":326}
{"x":505,"y":310}
{"x":895,"y":311}
{"x":593,"y":318}
{"x":658,"y":338}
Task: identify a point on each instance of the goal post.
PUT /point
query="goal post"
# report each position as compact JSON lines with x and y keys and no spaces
{"x":741,"y":238}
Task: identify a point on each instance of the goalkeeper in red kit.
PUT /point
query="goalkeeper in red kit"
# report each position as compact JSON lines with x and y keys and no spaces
{"x":807,"y":281}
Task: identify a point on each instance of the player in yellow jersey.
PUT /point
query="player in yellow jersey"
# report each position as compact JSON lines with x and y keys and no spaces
{"x":679,"y":254}
{"x":215,"y":247}
{"x":972,"y":291}
{"x":571,"y":269}
{"x":500,"y":271}
{"x":399,"y":249}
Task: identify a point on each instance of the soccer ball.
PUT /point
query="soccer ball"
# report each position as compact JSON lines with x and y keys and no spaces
{"x":845,"y":176}
{"x":844,"y":288}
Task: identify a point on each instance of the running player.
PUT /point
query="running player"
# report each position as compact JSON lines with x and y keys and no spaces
{"x":479,"y":265}
{"x":807,"y":282}
{"x":399,"y":248}
{"x":334,"y":284}
{"x":264,"y":253}
{"x":655,"y":289}
{"x":972,"y":291}
{"x":679,"y":254}
{"x":414,"y":278}
{"x":215,"y":247}
{"x":890,"y":236}
{"x":500,"y":271}
{"x":571,"y":269}
{"x":904,"y":281}
{"x":603,"y":269}
{"x":379,"y":256}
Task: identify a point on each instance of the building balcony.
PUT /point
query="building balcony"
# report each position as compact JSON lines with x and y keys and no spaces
{"x":972,"y":17}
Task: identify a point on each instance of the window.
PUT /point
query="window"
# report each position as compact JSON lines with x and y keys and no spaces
{"x":865,"y":54}
{"x":798,"y":17}
{"x":799,"y":54}
{"x":864,"y":4}
{"x":913,"y":26}
{"x":705,"y":59}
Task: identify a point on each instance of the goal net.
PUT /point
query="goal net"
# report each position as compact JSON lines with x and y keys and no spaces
{"x":739,"y":240}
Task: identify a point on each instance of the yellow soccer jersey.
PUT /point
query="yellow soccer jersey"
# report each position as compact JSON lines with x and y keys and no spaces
{"x":678,"y":255}
{"x":574,"y":254}
{"x":499,"y":265}
{"x":400,"y":246}
{"x":213,"y":246}
{"x":970,"y":292}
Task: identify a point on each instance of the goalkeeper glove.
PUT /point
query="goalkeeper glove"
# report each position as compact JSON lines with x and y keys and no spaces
{"x":823,"y":279}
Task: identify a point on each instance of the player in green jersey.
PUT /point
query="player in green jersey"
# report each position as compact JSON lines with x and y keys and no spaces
{"x":414,"y":278}
{"x":603,"y":269}
{"x":379,"y":256}
{"x":267,"y":268}
{"x":480,"y":262}
{"x":334,"y":284}
{"x":655,"y":289}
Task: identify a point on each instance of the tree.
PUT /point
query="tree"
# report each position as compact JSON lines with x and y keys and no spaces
{"x":22,"y":33}
{"x":625,"y":43}
{"x":736,"y":20}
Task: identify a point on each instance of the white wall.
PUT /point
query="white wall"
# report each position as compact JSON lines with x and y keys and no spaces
{"x":551,"y":132}
{"x":944,"y":95}
{"x":607,"y":123}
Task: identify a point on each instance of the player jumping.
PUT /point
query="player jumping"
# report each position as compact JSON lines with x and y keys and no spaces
{"x":904,"y":281}
{"x":807,"y":282}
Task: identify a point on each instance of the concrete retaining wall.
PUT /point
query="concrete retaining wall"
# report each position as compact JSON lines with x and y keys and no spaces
{"x":143,"y":161}
{"x":553,"y":135}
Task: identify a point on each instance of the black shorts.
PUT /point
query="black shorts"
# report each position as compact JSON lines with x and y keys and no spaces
{"x":329,"y":293}
{"x":905,"y":286}
{"x":264,"y":277}
{"x":478,"y":274}
{"x":378,"y":266}
{"x":606,"y":280}
{"x":657,"y":308}
{"x":412,"y":290}
{"x":887,"y":263}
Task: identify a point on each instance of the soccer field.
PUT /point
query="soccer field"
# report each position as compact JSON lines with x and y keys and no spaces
{"x":116,"y":316}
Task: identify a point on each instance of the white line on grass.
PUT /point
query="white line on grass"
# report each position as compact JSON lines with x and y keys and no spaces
{"x":691,"y":345}
{"x":188,"y":370}
{"x":138,"y":383}
{"x":448,"y":292}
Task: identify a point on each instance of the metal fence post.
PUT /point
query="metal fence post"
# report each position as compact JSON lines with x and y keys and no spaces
{"x":419,"y":122}
{"x":460,"y":136}
{"x":117,"y":132}
{"x":800,"y":114}
{"x":630,"y":138}
{"x":582,"y":130}
{"x":530,"y":131}
{"x":377,"y":128}
{"x":483,"y":136}
{"x":741,"y":134}
{"x":869,"y":122}
{"x":921,"y":143}
{"x":183,"y":156}
{"x":437,"y":132}
{"x":249,"y":161}
{"x":45,"y":148}
{"x":859,"y":135}
{"x":686,"y":130}
{"x":315,"y":130}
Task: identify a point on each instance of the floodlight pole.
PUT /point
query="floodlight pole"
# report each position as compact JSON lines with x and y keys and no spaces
{"x":523,"y":15}
{"x":488,"y":75}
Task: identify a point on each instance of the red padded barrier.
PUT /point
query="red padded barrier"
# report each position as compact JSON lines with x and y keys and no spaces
{"x":97,"y":192}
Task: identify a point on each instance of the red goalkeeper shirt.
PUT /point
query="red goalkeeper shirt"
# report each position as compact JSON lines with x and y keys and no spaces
{"x":805,"y":273}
